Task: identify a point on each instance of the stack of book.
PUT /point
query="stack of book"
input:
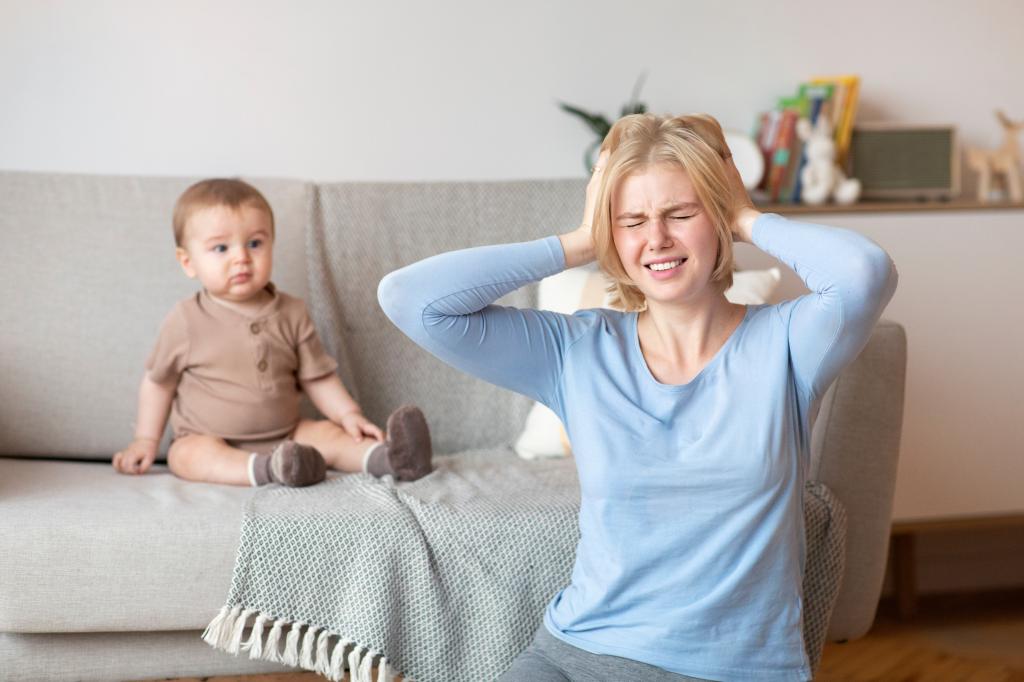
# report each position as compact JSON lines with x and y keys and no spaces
{"x":775,"y":132}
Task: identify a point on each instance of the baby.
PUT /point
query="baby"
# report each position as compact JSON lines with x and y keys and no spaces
{"x":231,"y":361}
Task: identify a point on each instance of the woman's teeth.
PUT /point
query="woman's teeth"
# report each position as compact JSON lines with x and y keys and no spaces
{"x":665,"y":266}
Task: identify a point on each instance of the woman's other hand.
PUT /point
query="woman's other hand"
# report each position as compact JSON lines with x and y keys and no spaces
{"x":579,"y":244}
{"x":744,"y":213}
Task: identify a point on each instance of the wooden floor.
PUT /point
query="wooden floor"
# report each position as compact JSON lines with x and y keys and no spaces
{"x":964,"y":638}
{"x":961,"y":638}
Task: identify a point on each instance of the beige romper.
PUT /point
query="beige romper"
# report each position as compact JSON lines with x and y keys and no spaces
{"x":238,"y":375}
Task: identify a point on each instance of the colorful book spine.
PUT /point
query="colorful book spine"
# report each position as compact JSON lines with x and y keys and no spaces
{"x":782,"y":153}
{"x":847,"y":93}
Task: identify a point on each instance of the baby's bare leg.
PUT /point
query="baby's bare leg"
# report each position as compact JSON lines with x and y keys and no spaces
{"x":208,"y":459}
{"x":340,"y":450}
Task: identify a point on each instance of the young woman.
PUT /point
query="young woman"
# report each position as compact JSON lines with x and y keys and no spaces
{"x":689,"y":416}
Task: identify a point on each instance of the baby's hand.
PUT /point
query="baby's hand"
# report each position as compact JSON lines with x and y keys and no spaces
{"x":137,"y":457}
{"x":357,"y":426}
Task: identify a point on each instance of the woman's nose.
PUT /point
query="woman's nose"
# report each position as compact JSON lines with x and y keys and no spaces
{"x":657,"y":234}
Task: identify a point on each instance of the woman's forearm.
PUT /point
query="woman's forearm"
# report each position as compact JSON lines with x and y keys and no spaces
{"x":443,"y":304}
{"x":578,"y":246}
{"x":851,"y":280}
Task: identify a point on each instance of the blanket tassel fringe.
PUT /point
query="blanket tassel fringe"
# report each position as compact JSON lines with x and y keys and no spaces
{"x":316,"y":649}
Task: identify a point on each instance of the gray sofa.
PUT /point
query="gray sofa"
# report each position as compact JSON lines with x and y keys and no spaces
{"x":109,"y":577}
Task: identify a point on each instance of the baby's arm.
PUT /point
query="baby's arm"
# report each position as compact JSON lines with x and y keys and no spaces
{"x":335,"y":403}
{"x":154,"y":406}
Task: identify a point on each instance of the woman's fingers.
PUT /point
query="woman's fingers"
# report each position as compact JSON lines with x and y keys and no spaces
{"x":592,"y":189}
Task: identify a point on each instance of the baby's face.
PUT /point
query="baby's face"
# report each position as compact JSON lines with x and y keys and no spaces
{"x":230,"y":251}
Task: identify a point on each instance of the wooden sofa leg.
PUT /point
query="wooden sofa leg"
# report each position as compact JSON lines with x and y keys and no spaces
{"x":904,"y":575}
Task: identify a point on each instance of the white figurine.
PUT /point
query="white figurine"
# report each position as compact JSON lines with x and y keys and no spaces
{"x":821,"y":177}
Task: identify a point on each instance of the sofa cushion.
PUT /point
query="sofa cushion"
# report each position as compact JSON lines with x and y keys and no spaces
{"x":85,"y":549}
{"x":91,"y":259}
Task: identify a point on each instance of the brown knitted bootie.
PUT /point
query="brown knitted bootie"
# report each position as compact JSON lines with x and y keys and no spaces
{"x":290,"y":464}
{"x":408,"y":444}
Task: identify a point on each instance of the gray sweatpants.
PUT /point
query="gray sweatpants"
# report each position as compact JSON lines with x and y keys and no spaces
{"x":549,"y":659}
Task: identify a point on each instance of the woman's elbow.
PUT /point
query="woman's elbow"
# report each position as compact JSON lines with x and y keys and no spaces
{"x":878,"y":273}
{"x":390,"y":294}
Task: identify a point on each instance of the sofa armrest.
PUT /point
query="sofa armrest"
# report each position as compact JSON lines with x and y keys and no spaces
{"x":854,"y":451}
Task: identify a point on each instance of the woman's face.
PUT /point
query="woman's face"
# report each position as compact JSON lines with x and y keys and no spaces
{"x":665,"y":240}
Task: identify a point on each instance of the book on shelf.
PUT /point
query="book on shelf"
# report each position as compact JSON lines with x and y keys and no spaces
{"x":847,"y":89}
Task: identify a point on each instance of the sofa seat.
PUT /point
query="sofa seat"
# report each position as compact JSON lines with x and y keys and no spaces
{"x":160,"y":548}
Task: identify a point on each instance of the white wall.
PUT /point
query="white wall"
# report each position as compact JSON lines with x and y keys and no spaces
{"x":330,"y":90}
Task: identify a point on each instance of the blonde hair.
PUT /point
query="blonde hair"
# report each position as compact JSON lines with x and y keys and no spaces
{"x":697,"y":145}
{"x":229,"y":192}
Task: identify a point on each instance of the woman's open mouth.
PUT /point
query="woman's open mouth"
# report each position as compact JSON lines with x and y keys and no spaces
{"x":665,"y":269}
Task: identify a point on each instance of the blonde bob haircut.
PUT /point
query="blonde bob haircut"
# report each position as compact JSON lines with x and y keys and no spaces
{"x":697,"y":145}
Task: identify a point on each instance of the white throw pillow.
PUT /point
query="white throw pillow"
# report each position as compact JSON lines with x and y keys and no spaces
{"x":582,"y":288}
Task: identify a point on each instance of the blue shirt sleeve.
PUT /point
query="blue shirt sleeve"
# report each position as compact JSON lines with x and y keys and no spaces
{"x":851,"y":280}
{"x":445,"y":304}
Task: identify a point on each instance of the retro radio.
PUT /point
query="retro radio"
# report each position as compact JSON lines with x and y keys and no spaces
{"x":894,"y":161}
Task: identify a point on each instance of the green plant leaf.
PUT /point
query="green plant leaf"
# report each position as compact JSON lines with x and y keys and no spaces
{"x":596,"y":122}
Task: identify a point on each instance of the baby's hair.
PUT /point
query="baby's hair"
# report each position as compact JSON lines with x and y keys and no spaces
{"x":229,"y":192}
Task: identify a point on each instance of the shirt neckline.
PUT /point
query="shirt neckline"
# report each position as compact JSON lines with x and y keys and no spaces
{"x":266,"y":311}
{"x":715,"y":360}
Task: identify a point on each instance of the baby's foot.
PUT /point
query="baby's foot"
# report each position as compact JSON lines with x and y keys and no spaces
{"x":291,"y":464}
{"x":408,"y":446}
{"x":409,"y":449}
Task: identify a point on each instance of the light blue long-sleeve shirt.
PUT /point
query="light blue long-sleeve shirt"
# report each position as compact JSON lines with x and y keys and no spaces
{"x":691,"y":550}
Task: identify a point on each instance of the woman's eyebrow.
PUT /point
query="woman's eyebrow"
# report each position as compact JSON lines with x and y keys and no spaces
{"x":680,"y":205}
{"x":667,"y":209}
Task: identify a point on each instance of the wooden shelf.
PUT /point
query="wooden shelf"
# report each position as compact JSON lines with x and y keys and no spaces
{"x":891,"y":207}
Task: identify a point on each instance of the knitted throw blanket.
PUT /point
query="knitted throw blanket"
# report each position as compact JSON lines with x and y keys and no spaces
{"x":442,"y":579}
{"x":445,"y":578}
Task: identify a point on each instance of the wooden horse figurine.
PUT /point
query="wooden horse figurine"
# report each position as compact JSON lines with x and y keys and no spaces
{"x":1004,"y":161}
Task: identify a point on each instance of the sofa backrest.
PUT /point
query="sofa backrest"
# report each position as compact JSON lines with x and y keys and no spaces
{"x":362,"y":231}
{"x":88,"y":272}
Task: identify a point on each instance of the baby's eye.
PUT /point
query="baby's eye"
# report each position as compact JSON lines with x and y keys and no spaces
{"x":219,"y":248}
{"x":255,"y":243}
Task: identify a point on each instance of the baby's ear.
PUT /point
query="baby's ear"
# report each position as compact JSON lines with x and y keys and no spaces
{"x":185,"y":262}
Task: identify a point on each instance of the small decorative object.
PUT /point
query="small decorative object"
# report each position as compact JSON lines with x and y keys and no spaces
{"x":1003,"y":161}
{"x":601,"y":125}
{"x":747,"y":157}
{"x":821,"y":178}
